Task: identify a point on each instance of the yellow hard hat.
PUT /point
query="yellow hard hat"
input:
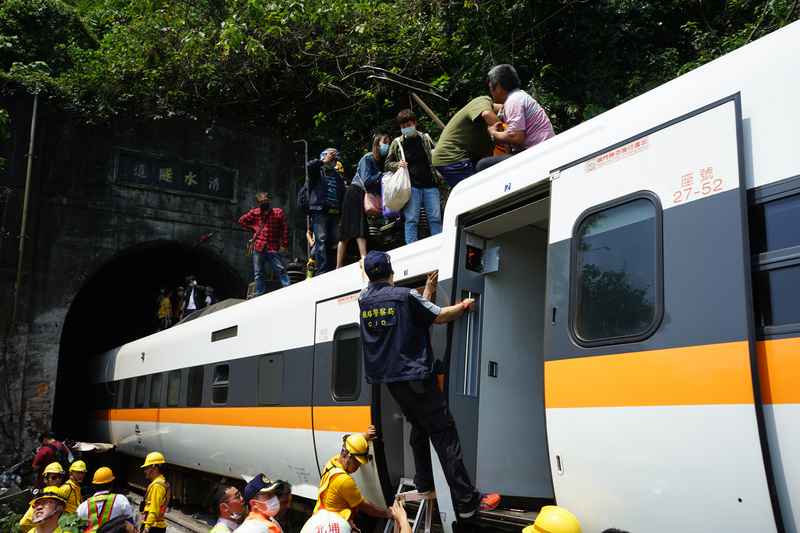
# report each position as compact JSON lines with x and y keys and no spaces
{"x":153,"y":458}
{"x":554,"y":519}
{"x":340,"y":167}
{"x":102,"y":476}
{"x":357,"y":446}
{"x":78,"y":466}
{"x":54,"y":468}
{"x":51,"y":493}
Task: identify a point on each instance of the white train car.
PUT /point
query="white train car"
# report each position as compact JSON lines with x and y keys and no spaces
{"x":635,"y":349}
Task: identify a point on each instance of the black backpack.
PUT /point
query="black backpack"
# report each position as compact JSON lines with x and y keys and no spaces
{"x":60,"y":455}
{"x":303,"y":200}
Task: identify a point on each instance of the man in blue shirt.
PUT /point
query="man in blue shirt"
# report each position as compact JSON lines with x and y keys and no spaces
{"x":395,"y":323}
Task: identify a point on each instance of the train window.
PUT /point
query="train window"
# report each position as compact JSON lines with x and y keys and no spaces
{"x":127,"y":385}
{"x":775,"y":296}
{"x":113,"y":390}
{"x":347,"y":364}
{"x":155,"y":390}
{"x":773,"y":225}
{"x":226,"y":333}
{"x":219,"y":387}
{"x":173,"y":388}
{"x":270,"y":379}
{"x":616,"y":272}
{"x":141,"y":385}
{"x":194,"y":387}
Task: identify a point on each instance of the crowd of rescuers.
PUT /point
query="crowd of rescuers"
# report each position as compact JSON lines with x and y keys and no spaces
{"x":488,"y":130}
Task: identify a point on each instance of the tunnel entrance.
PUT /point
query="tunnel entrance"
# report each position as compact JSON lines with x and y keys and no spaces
{"x":117,"y":304}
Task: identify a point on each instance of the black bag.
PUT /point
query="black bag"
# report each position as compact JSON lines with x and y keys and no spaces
{"x":60,"y":455}
{"x":303,"y":200}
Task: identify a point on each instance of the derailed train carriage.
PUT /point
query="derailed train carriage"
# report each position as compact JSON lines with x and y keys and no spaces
{"x":634,"y":351}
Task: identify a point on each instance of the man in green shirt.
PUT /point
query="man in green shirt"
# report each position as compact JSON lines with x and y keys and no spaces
{"x":465,"y":140}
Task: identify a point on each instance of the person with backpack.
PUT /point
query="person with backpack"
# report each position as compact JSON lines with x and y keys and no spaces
{"x":51,"y":451}
{"x":414,"y":150}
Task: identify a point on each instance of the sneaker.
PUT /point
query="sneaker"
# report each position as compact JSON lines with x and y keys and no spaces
{"x":424,"y":491}
{"x":487,"y":503}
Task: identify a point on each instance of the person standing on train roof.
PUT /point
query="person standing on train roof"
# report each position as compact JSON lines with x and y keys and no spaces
{"x":156,"y":499}
{"x":395,"y":326}
{"x":264,"y":505}
{"x":53,"y":474}
{"x":104,"y":505}
{"x":72,"y":488}
{"x":195,"y":296}
{"x":338,"y":492}
{"x":227,"y":504}
{"x":270,"y":240}
{"x":47,"y":509}
{"x":527,"y":122}
{"x":325,"y":196}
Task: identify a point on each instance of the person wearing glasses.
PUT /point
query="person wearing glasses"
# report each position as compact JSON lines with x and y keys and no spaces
{"x":228,"y":504}
{"x":52,"y":476}
{"x":338,"y":492}
{"x":47,"y":509}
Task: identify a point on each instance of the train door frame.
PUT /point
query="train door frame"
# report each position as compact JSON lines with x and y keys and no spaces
{"x":598,"y":388}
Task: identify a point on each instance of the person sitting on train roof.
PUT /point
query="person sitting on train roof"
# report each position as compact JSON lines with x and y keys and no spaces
{"x":117,"y":525}
{"x":264,"y":505}
{"x":465,"y":140}
{"x":53,"y":474}
{"x":338,"y":492}
{"x":72,"y":488}
{"x":227,"y":503}
{"x":156,"y":499}
{"x":104,"y":505}
{"x":395,"y":331}
{"x":527,"y":122}
{"x":47,"y":509}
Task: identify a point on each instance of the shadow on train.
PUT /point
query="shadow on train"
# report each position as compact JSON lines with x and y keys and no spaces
{"x":117,"y":303}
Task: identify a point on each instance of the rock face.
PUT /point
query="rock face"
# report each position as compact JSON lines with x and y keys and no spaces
{"x":116,"y":211}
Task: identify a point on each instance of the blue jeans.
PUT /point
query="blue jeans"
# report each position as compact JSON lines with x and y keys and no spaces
{"x":429,"y":197}
{"x":326,"y":233}
{"x":457,"y":172}
{"x":259,"y":263}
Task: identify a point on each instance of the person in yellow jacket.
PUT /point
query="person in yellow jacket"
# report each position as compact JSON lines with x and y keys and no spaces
{"x":338,"y":492}
{"x":156,"y":499}
{"x":53,"y":474}
{"x":72,"y":488}
{"x":47,"y":509}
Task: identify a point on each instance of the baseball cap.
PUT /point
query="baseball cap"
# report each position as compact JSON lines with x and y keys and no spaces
{"x":260,"y":483}
{"x":377,"y":265}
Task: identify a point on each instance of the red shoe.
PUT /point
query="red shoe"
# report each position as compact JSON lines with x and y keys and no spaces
{"x":487,"y":503}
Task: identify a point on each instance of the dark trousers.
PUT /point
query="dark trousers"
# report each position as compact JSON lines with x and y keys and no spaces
{"x":430,"y":418}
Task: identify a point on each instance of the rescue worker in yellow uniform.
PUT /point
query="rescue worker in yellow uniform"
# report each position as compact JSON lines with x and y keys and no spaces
{"x":47,"y":509}
{"x":156,"y":499}
{"x":553,"y":519}
{"x":104,"y":506}
{"x":338,"y":492}
{"x":53,"y":474}
{"x":72,"y":488}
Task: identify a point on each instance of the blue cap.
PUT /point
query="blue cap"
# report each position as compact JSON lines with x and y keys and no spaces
{"x":378,"y":265}
{"x":260,"y":483}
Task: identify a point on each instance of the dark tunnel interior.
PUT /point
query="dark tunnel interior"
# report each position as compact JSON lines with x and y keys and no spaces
{"x":117,"y":304}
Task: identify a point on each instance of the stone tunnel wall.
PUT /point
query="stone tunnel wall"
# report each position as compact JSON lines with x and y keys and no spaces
{"x":98,"y":190}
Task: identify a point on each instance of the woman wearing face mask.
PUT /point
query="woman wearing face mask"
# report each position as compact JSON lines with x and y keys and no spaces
{"x":367,"y":179}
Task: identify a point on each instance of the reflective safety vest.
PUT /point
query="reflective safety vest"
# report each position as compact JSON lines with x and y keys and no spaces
{"x":73,"y":498}
{"x":100,"y":508}
{"x":331,"y":471}
{"x":220,"y":528}
{"x":162,"y":510}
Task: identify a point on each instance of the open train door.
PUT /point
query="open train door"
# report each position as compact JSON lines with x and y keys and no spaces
{"x":651,"y":388}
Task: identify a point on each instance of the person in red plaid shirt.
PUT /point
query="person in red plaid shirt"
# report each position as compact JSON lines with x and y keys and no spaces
{"x":270,"y":240}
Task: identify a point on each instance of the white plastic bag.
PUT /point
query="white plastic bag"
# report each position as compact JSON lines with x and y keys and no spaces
{"x":397,"y":188}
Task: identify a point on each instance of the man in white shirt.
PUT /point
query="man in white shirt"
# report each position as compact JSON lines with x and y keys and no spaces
{"x":104,"y":505}
{"x":228,"y":504}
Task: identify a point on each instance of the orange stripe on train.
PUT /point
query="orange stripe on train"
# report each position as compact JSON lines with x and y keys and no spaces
{"x":696,"y":375}
{"x":338,"y":418}
{"x":778,"y":370}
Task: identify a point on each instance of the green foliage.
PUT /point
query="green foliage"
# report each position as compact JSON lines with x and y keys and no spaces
{"x":9,"y":520}
{"x":72,"y":523}
{"x":296,"y":65}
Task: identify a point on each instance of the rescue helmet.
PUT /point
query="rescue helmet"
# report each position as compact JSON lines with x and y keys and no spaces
{"x":340,"y":167}
{"x":102,"y":476}
{"x":357,"y":446}
{"x":54,"y":468}
{"x":50,"y":493}
{"x":153,"y":458}
{"x":553,"y":519}
{"x":78,"y":466}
